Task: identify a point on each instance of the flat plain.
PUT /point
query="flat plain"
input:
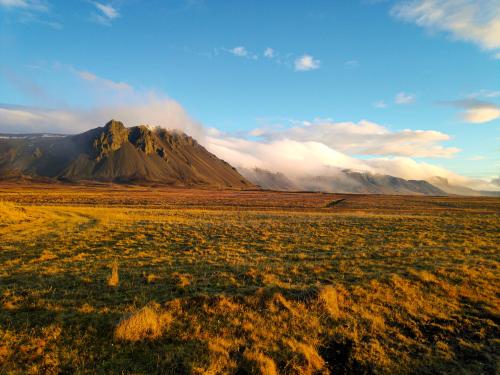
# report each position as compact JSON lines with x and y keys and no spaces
{"x":124,"y":279}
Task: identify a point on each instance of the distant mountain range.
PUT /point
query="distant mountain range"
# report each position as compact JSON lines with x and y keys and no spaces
{"x":347,"y":181}
{"x":114,"y":153}
{"x":342,"y":181}
{"x":141,"y":154}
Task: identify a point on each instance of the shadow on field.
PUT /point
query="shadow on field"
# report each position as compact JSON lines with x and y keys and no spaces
{"x":203,"y":324}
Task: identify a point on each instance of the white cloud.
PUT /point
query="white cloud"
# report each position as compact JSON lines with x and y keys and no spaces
{"x":380,"y":104}
{"x":106,"y":15}
{"x":292,"y":157}
{"x":302,"y":63}
{"x":148,"y":109}
{"x":269,"y":53}
{"x":485,"y":94}
{"x":366,"y":138}
{"x":29,"y":5}
{"x":107,"y":10}
{"x":13,"y":3}
{"x":476,"y":111}
{"x":306,"y":62}
{"x":476,"y":21}
{"x":299,"y":159}
{"x":19,"y":117}
{"x":239,"y":51}
{"x":30,"y":12}
{"x":404,"y":98}
{"x":481,"y":114}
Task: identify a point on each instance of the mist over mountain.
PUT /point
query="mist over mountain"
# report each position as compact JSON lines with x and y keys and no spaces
{"x":342,"y":181}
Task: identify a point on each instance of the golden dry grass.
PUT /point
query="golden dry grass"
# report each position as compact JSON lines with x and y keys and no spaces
{"x":256,"y":362}
{"x":246,"y":282}
{"x":147,"y":323}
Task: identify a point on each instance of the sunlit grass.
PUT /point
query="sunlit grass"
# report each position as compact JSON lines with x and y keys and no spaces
{"x":142,"y":282}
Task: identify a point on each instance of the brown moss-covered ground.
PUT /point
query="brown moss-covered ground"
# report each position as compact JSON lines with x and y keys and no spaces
{"x":115,"y":279}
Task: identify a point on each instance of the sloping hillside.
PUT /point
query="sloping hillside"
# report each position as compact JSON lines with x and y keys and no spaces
{"x":114,"y":153}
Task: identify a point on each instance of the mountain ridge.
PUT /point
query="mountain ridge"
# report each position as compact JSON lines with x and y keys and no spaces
{"x":115,"y":153}
{"x":342,"y":181}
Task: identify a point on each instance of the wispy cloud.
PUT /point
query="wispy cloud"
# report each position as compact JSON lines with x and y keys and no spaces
{"x":476,"y":21}
{"x":29,"y":5}
{"x":306,"y":62}
{"x":351,"y":64}
{"x":404,"y":98}
{"x":105,"y":15}
{"x":30,"y":12}
{"x":104,"y":82}
{"x":112,"y":100}
{"x":485,"y":94}
{"x":380,"y":104}
{"x":476,"y":158}
{"x":269,"y":53}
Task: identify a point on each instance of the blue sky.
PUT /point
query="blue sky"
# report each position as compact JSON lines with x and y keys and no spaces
{"x":266,"y":71}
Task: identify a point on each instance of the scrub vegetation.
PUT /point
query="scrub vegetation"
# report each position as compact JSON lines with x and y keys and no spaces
{"x":116,"y":279}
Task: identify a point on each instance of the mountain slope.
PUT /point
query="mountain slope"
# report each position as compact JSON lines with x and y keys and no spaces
{"x":119,"y":154}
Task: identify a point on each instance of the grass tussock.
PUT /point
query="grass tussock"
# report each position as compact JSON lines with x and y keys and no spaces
{"x":331,"y":300}
{"x":255,"y":362}
{"x":148,"y":323}
{"x":12,"y":213}
{"x":114,"y":278}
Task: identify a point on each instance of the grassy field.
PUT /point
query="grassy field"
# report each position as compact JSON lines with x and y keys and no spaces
{"x":136,"y":280}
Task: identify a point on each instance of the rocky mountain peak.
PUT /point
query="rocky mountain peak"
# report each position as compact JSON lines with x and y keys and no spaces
{"x":144,"y":139}
{"x":114,"y":126}
{"x":111,"y":138}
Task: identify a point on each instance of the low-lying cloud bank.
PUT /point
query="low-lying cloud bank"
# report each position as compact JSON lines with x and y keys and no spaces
{"x":319,"y":149}
{"x":297,"y":159}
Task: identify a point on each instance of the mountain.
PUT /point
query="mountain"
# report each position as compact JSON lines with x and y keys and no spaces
{"x":269,"y":180}
{"x":342,"y":181}
{"x":114,"y":153}
{"x":444,"y":185}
